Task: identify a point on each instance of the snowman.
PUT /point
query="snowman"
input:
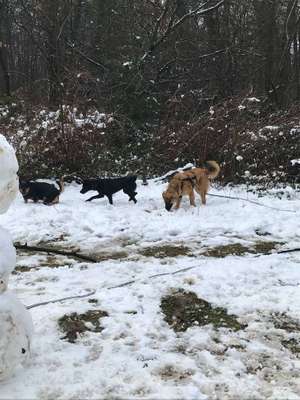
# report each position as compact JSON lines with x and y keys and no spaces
{"x":15,"y":321}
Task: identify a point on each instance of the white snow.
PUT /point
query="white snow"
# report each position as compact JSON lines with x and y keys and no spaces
{"x":8,"y":174}
{"x":8,"y":191}
{"x":295,"y":162}
{"x":253,"y":100}
{"x":7,"y":258}
{"x":186,"y":167}
{"x":15,"y":334}
{"x":295,"y":130}
{"x":138,"y":355}
{"x":271,"y":128}
{"x":15,"y":321}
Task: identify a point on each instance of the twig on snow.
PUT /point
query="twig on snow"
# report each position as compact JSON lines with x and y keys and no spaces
{"x":44,"y":303}
{"x":250,"y":201}
{"x":287,"y":251}
{"x":152,"y":276}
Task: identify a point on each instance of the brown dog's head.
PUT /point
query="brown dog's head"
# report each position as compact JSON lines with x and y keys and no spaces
{"x":168,"y":199}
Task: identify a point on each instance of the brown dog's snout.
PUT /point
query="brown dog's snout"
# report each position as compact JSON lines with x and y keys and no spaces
{"x":168,"y":201}
{"x":168,"y":206}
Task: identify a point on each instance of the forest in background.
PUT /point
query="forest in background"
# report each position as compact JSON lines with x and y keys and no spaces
{"x":114,"y":86}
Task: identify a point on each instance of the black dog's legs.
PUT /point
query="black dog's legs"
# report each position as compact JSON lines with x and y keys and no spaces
{"x":98,"y":196}
{"x":109,"y":196}
{"x":131,"y":195}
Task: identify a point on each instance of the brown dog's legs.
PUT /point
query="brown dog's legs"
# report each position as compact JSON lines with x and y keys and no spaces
{"x":202,"y":189}
{"x":192,"y":199}
{"x":178,"y":201}
{"x":203,"y":197}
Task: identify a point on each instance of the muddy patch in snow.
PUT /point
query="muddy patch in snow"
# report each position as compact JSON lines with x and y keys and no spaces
{"x":292,"y":331}
{"x":38,"y":260}
{"x":185,"y":309}
{"x":293,"y":345}
{"x":106,"y":256}
{"x":166,"y":250}
{"x":74,"y":325}
{"x":238,"y":249}
{"x":26,"y":264}
{"x":172,"y":372}
{"x":285,"y":322}
{"x":265,"y":247}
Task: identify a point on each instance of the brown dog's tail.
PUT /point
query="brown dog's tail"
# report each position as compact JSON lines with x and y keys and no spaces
{"x":61,"y":184}
{"x":213,"y":169}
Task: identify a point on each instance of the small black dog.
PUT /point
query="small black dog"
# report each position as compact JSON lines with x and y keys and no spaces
{"x":109,"y":186}
{"x":46,"y":192}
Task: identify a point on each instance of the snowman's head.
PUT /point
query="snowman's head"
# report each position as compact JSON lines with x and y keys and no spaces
{"x":8,"y":174}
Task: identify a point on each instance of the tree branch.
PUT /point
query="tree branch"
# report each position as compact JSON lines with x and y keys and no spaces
{"x":43,"y":249}
{"x":87,"y":58}
{"x":199,"y":11}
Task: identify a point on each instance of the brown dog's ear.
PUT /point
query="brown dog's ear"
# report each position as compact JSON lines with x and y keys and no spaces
{"x":166,"y":197}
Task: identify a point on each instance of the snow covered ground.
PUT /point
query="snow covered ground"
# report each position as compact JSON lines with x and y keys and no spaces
{"x":138,"y":354}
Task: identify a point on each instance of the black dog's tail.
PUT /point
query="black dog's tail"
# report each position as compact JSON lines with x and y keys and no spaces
{"x":61,"y":184}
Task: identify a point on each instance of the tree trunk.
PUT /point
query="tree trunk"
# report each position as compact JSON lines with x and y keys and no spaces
{"x":4,"y":67}
{"x":266,"y":35}
{"x":3,"y":50}
{"x":50,"y":11}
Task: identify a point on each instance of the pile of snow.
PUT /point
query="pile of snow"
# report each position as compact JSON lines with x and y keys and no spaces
{"x":7,"y":258}
{"x":15,"y":334}
{"x":253,"y":100}
{"x":295,"y":162}
{"x":15,"y":320}
{"x":8,"y":175}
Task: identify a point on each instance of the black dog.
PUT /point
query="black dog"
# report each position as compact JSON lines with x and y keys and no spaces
{"x":46,"y":192}
{"x":107,"y":187}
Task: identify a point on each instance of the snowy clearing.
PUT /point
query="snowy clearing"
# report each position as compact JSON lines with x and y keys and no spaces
{"x":135,"y":353}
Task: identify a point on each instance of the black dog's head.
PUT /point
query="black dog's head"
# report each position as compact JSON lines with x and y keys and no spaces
{"x":24,"y":186}
{"x":87,"y":185}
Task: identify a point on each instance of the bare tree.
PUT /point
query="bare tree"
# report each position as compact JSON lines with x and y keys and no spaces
{"x":3,"y":47}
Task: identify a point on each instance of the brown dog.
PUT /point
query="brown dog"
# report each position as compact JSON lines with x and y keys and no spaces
{"x":185,"y":182}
